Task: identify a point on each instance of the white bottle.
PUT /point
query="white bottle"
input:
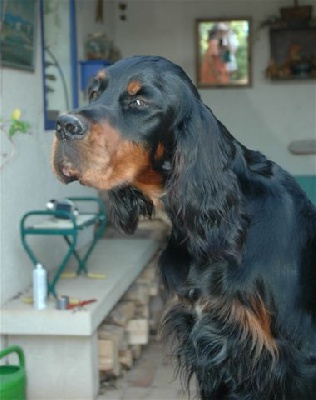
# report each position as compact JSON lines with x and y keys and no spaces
{"x":39,"y":287}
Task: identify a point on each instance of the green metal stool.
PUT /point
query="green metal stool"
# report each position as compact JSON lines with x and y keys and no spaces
{"x":68,"y":227}
{"x":12,"y":377}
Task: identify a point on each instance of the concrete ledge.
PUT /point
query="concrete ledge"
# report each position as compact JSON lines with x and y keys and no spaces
{"x":60,"y":347}
{"x":121,"y":260}
{"x":60,"y":367}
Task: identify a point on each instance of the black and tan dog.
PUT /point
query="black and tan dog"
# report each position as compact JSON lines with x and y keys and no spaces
{"x":241,"y":258}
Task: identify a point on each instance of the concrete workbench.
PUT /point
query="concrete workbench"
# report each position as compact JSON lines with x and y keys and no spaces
{"x":61,"y":346}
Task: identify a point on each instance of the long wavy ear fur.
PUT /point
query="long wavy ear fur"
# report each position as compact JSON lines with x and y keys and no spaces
{"x":204,"y":198}
{"x":127,"y":204}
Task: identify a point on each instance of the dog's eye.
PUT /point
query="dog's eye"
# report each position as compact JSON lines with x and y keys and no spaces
{"x":93,"y":94}
{"x":137,"y":103}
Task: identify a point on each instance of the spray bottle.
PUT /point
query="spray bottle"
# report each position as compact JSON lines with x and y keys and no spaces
{"x":40,"y":287}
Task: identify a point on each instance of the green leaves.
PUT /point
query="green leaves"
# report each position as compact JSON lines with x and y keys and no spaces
{"x":10,"y":127}
{"x":18,"y":126}
{"x":14,"y":124}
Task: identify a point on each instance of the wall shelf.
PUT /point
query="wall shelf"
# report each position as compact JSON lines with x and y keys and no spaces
{"x":293,"y":51}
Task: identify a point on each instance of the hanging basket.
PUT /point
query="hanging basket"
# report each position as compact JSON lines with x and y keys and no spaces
{"x":12,"y":377}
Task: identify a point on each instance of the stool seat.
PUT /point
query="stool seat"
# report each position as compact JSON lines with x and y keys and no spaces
{"x":66,"y":224}
{"x":54,"y":223}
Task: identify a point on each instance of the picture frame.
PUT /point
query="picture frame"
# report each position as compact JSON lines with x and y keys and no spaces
{"x":223,"y":53}
{"x":18,"y":30}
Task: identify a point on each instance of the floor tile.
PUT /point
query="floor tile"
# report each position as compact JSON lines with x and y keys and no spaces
{"x":151,"y":378}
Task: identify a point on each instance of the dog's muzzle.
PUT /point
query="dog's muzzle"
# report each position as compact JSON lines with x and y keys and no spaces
{"x":70,"y":127}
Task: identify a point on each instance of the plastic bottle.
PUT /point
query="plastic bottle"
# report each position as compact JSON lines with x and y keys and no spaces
{"x":40,"y":287}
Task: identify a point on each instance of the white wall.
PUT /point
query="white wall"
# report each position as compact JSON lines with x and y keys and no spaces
{"x":267,"y":116}
{"x":27,"y":182}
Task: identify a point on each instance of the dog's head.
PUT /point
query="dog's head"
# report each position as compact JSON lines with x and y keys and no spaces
{"x":146,"y":136}
{"x":124,"y":135}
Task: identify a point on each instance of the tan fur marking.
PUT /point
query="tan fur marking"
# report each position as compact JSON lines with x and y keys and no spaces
{"x":101,"y":75}
{"x":160,"y":151}
{"x":52,"y":156}
{"x":149,"y":182}
{"x":107,"y":160}
{"x":133,"y":87}
{"x":254,"y":322}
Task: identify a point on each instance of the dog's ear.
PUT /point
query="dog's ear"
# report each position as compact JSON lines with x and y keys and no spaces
{"x":126,"y":205}
{"x":203,"y":192}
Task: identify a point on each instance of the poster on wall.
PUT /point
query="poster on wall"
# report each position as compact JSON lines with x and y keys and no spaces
{"x":223,"y":53}
{"x":17,"y":33}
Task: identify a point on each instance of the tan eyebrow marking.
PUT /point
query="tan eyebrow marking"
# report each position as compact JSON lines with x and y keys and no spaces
{"x":133,"y":87}
{"x":160,"y":151}
{"x":102,"y":75}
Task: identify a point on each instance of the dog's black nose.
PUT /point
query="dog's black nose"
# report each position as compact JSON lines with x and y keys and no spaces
{"x":70,"y":127}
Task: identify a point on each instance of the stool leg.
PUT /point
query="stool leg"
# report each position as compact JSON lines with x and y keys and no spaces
{"x":76,"y":255}
{"x":29,"y":251}
{"x":72,"y":246}
{"x":97,"y":235}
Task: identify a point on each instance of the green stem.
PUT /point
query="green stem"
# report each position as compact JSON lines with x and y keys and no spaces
{"x":6,"y":158}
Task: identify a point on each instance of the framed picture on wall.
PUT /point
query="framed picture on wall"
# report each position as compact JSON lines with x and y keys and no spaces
{"x":17,"y":27}
{"x":223,"y":52}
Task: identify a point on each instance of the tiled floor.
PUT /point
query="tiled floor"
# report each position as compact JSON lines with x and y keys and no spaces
{"x":151,"y":378}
